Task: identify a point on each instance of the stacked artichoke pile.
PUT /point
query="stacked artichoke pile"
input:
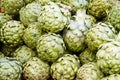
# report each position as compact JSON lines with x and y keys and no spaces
{"x":59,"y":40}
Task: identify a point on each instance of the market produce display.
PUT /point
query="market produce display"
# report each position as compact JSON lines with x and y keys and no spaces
{"x":59,"y":39}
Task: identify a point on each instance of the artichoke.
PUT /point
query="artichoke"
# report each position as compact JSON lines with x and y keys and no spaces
{"x":108,"y":57}
{"x":36,"y":69}
{"x":50,"y":47}
{"x":65,"y":68}
{"x":99,"y":34}
{"x":87,"y":56}
{"x":31,"y":35}
{"x":112,"y":77}
{"x":11,"y":33}
{"x":89,"y":71}
{"x":30,"y":13}
{"x":114,"y":16}
{"x":11,"y":6}
{"x":99,"y":8}
{"x":51,"y":18}
{"x":4,"y":18}
{"x":75,"y":4}
{"x":10,"y":69}
{"x":23,"y":54}
{"x":74,"y":37}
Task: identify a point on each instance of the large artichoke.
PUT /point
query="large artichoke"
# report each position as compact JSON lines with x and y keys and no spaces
{"x":31,"y":35}
{"x":51,"y":18}
{"x":36,"y":69}
{"x":23,"y":54}
{"x":87,"y":56}
{"x":50,"y":47}
{"x":11,"y":6}
{"x":108,"y":57}
{"x":10,"y":69}
{"x":11,"y":33}
{"x":112,"y":77}
{"x":65,"y":68}
{"x":99,"y":34}
{"x":30,"y":13}
{"x":89,"y":71}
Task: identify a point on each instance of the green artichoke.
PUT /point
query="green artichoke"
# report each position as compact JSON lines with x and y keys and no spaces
{"x":36,"y":69}
{"x":10,"y":69}
{"x":112,"y":77}
{"x":74,"y":37}
{"x":99,"y":8}
{"x":89,"y":71}
{"x":11,"y":33}
{"x":114,"y":16}
{"x":65,"y":68}
{"x":30,"y":13}
{"x":23,"y":54}
{"x":31,"y":35}
{"x":4,"y":18}
{"x":50,"y":47}
{"x":108,"y":57}
{"x":99,"y":34}
{"x":51,"y":18}
{"x":87,"y":56}
{"x":11,"y":6}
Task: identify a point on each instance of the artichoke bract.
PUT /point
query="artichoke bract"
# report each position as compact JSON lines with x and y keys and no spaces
{"x":23,"y":54}
{"x":31,"y":35}
{"x":50,"y":47}
{"x":108,"y":57}
{"x":28,"y":1}
{"x":30,"y":13}
{"x":11,"y":6}
{"x":10,"y":69}
{"x":51,"y":18}
{"x":99,"y":34}
{"x":112,"y":77}
{"x":65,"y":68}
{"x":36,"y":69}
{"x":89,"y":71}
{"x":11,"y":33}
{"x":87,"y":56}
{"x":99,"y":8}
{"x":4,"y":18}
{"x":74,"y":37}
{"x":114,"y":16}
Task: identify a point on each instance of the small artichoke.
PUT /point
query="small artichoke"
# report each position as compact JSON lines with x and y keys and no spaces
{"x":11,"y":33}
{"x":30,"y":13}
{"x":31,"y":35}
{"x":10,"y":69}
{"x":89,"y":71}
{"x":50,"y":47}
{"x":51,"y":18}
{"x":36,"y":69}
{"x":65,"y":68}
{"x":11,"y":6}
{"x":23,"y":54}
{"x":108,"y":57}
{"x":99,"y":34}
{"x":112,"y":77}
{"x":87,"y":56}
